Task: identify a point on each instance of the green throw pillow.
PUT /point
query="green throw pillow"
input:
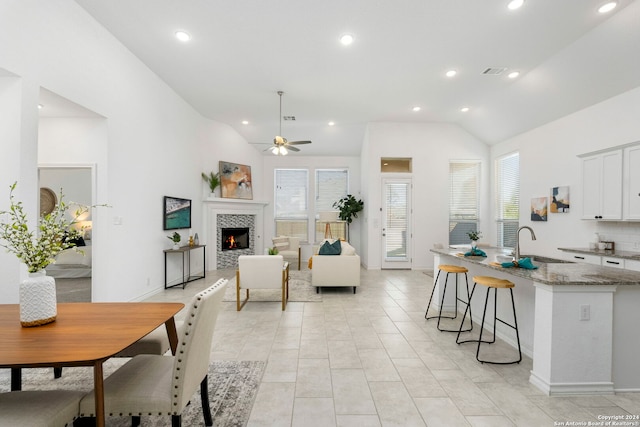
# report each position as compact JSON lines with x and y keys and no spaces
{"x":330,"y":248}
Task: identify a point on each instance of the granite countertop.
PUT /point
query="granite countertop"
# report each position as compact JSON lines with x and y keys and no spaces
{"x":566,"y":273}
{"x":604,"y":252}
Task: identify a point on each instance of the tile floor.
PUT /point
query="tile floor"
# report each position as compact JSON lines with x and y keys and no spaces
{"x":371,"y":359}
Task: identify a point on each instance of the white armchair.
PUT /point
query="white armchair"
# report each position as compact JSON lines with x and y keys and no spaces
{"x":289,"y":248}
{"x":261,"y":272}
{"x":336,"y":270}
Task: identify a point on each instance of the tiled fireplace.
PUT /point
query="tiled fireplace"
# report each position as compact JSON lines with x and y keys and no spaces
{"x":232,"y":218}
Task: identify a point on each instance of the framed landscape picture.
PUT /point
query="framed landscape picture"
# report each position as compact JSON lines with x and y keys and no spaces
{"x":235,"y":181}
{"x":176,"y":213}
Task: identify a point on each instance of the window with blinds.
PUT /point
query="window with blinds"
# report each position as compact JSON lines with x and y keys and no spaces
{"x":291,"y":203}
{"x":331,"y":186}
{"x":507,"y":199}
{"x":464,"y":185}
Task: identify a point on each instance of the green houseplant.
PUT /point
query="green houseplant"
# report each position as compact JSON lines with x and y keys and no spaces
{"x":175,"y":238}
{"x":349,"y":208}
{"x":273,"y":251}
{"x":212,"y":180}
{"x":474,"y":235}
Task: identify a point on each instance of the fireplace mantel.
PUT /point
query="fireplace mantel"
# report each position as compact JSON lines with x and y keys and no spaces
{"x":229,"y":202}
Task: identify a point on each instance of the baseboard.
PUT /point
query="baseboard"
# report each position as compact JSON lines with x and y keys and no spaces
{"x":571,"y":389}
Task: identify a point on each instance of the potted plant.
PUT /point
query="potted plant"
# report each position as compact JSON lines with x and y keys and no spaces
{"x":273,"y":251}
{"x":474,"y":235}
{"x":175,"y":238}
{"x":37,"y":248}
{"x":349,"y":208}
{"x":212,"y":180}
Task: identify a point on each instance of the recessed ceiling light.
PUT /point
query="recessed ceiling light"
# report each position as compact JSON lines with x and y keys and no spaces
{"x":464,"y":109}
{"x":416,"y":109}
{"x":346,"y":39}
{"x":40,"y":106}
{"x":451,"y":73}
{"x":183,"y":36}
{"x":245,"y":122}
{"x":607,"y":7}
{"x":515,"y":4}
{"x":331,"y":123}
{"x":513,"y":74}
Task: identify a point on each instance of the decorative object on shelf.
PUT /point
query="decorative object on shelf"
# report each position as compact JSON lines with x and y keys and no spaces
{"x":560,"y":200}
{"x":273,"y":251}
{"x":175,"y":238}
{"x":191,"y":242}
{"x":196,"y":239}
{"x":474,"y":235}
{"x":37,"y":249}
{"x":213,"y":181}
{"x":539,"y":209}
{"x":235,"y":181}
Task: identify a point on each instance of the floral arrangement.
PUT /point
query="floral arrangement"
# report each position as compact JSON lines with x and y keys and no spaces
{"x":37,"y":248}
{"x":474,"y":235}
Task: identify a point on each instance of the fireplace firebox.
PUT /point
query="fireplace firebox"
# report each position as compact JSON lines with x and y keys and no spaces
{"x":234,"y":238}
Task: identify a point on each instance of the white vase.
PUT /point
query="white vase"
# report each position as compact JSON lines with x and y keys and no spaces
{"x":474,"y":244}
{"x":176,"y":246}
{"x":38,"y":305}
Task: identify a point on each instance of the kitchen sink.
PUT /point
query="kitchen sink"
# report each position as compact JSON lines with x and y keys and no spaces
{"x":546,"y":260}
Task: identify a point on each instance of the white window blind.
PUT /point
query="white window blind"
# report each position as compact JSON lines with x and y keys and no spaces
{"x":291,"y":202}
{"x":507,"y":199}
{"x":331,"y":186}
{"x":464,"y":184}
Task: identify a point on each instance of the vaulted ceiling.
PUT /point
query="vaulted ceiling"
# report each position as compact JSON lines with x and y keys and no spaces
{"x":241,"y":53}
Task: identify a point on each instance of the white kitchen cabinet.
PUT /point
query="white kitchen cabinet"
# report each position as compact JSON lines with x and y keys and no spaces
{"x":586,"y":258}
{"x":602,"y":185}
{"x":631,"y":264}
{"x":608,"y":261}
{"x":631,"y":200}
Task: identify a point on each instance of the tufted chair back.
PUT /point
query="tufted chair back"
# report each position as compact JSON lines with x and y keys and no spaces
{"x":191,"y":363}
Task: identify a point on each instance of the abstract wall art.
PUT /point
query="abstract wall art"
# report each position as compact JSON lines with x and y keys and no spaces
{"x":539,"y":209}
{"x":560,"y":199}
{"x":235,"y":181}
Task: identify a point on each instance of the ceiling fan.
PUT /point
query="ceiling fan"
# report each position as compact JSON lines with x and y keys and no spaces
{"x":280,"y":144}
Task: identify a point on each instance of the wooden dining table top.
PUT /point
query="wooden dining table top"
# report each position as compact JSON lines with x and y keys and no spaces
{"x":82,"y":333}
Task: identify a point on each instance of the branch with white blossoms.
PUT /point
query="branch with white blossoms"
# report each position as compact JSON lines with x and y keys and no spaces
{"x":54,"y":233}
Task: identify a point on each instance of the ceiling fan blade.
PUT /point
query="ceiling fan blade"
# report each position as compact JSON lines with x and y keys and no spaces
{"x":298,"y":142}
{"x":292,"y":148}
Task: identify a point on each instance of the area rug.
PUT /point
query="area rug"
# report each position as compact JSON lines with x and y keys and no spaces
{"x":232,"y":390}
{"x":300,"y":290}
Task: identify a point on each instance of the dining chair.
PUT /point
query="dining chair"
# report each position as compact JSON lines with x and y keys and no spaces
{"x":261,"y":272}
{"x":50,"y":408}
{"x":150,"y":384}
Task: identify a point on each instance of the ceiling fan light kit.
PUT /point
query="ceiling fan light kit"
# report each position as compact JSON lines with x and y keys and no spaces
{"x":281,"y":146}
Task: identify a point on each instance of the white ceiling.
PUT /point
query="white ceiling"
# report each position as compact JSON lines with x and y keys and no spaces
{"x":243,"y":52}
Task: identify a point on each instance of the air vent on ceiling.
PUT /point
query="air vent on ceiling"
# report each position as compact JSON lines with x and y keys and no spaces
{"x":289,"y":118}
{"x":494,"y":71}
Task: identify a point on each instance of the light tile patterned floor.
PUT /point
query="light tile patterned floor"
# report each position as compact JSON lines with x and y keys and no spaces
{"x":371,"y":359}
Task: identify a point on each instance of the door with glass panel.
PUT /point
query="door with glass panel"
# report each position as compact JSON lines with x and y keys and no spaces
{"x":396,"y":223}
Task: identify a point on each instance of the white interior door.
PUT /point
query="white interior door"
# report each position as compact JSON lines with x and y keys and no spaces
{"x":396,"y":223}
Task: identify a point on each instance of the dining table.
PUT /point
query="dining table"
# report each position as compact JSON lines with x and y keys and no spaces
{"x":83,"y":334}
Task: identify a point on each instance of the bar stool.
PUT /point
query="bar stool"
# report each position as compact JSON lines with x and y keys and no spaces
{"x":495,"y":284}
{"x":450,"y":269}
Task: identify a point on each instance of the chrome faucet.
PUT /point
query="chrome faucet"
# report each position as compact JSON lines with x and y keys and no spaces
{"x":533,"y":237}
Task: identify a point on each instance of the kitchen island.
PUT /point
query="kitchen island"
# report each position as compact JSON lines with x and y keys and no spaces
{"x":578,"y":322}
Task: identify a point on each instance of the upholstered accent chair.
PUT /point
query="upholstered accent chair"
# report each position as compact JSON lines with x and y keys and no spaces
{"x":336,"y":270}
{"x":289,"y":248}
{"x":51,"y":408}
{"x":155,"y":384}
{"x":261,"y":272}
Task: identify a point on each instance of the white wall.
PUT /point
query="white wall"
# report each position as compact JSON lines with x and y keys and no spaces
{"x":154,"y":140}
{"x":548,"y":158}
{"x":431,"y":146}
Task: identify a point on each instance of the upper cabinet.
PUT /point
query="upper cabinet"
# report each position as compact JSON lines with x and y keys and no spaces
{"x":631,"y":199}
{"x":602,"y":186}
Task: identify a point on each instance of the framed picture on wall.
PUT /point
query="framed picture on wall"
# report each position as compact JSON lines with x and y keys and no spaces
{"x":539,"y":209}
{"x":235,"y":181}
{"x":560,"y":200}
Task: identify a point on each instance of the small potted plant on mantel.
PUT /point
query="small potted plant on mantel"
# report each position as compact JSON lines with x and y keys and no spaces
{"x":212,"y":180}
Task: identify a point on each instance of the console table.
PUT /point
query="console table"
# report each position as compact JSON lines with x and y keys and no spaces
{"x":185,"y":251}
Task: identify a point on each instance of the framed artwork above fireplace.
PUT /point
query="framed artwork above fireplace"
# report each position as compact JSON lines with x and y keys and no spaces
{"x":235,"y":181}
